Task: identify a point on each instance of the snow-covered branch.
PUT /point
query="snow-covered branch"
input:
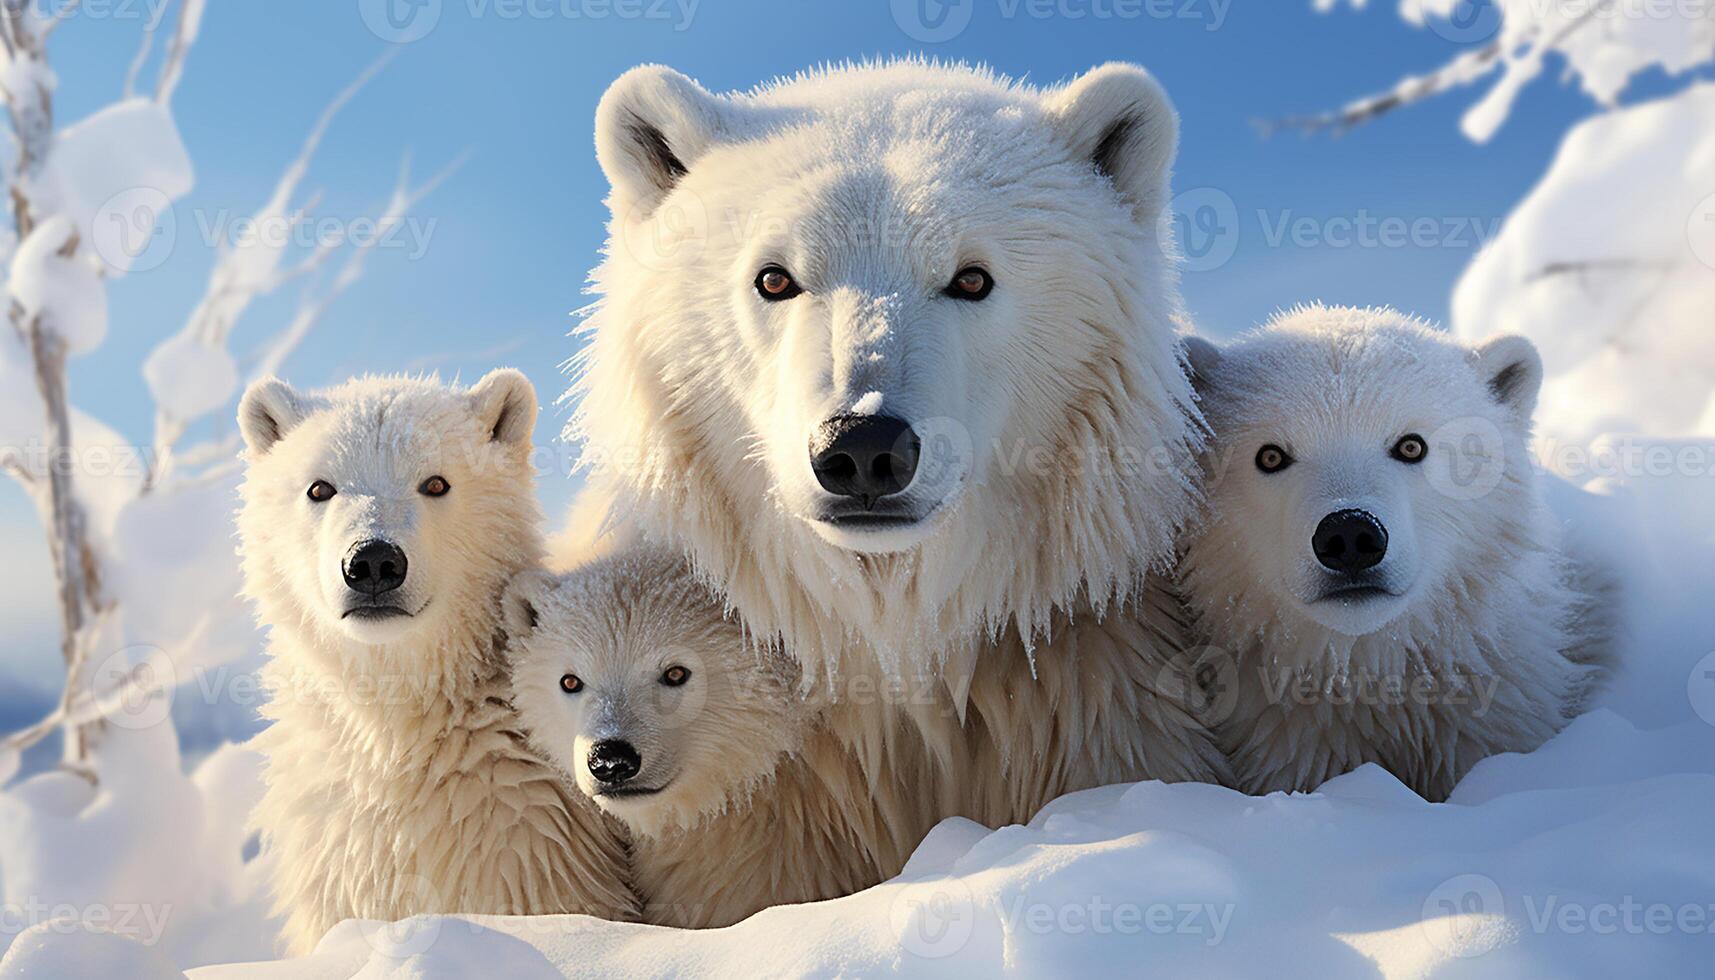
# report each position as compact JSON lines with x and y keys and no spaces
{"x":63,"y":187}
{"x":1550,"y":270}
{"x":1633,"y":36}
{"x":1608,"y":266}
{"x":192,"y":373}
{"x":185,"y":35}
{"x":43,"y":309}
{"x":1463,"y":70}
{"x":315,"y":304}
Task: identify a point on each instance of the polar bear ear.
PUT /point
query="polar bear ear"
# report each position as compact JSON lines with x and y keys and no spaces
{"x":1117,"y":117}
{"x":652,"y":124}
{"x":505,"y":403}
{"x":1512,"y":369}
{"x":268,"y":410}
{"x":1201,"y":357}
{"x":521,"y":603}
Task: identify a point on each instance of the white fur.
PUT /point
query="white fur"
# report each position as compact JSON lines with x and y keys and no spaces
{"x":398,"y":782}
{"x":1057,"y":424}
{"x":1475,"y":642}
{"x":756,"y":805}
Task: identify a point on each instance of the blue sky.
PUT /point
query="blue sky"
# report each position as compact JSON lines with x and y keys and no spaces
{"x":504,"y":246}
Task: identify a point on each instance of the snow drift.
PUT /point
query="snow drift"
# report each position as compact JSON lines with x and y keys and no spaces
{"x":1609,"y":267}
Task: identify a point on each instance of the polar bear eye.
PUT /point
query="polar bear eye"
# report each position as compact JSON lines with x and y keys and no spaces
{"x":321,"y":491}
{"x":972,"y":283}
{"x":435,"y":486}
{"x":571,"y":683}
{"x":675,"y":676}
{"x":1410,"y":449}
{"x":1272,"y":459}
{"x":774,"y":284}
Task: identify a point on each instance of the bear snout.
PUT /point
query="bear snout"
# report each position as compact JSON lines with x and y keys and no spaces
{"x":374,"y":567}
{"x":614,"y":762}
{"x":1350,"y":541}
{"x":866,"y":457}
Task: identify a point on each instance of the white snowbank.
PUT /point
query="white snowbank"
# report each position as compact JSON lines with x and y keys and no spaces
{"x":153,"y":856}
{"x":1590,"y":857}
{"x":1609,"y":267}
{"x":69,"y":948}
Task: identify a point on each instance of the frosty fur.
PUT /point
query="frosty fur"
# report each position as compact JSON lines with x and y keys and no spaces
{"x":759,"y":805}
{"x":1491,"y":648}
{"x":398,"y":781}
{"x":1006,"y":622}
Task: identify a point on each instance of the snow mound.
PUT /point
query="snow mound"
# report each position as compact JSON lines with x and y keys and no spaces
{"x":68,"y":948}
{"x":1618,"y":300}
{"x":148,"y":866}
{"x":1552,"y":864}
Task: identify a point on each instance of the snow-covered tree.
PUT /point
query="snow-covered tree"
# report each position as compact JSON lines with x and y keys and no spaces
{"x":141,"y":540}
{"x":1609,"y":263}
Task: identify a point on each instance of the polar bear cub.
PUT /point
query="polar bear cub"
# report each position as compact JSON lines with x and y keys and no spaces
{"x":381,"y":522}
{"x":629,"y":675}
{"x":1377,"y":578}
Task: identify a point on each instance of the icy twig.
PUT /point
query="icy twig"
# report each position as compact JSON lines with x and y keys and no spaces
{"x":1463,"y":70}
{"x":238,"y":279}
{"x":184,"y":36}
{"x":1553,"y":269}
{"x":144,"y":48}
{"x":315,"y":305}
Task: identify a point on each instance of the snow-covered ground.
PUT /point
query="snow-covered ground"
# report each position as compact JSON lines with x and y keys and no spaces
{"x":1589,"y":857}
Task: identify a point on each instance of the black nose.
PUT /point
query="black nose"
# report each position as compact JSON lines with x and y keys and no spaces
{"x":1350,"y":541}
{"x":373,"y":567}
{"x":613,"y":761}
{"x":865,"y":456}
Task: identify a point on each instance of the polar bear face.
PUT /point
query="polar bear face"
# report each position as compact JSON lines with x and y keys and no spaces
{"x":891,"y":310}
{"x":386,"y":511}
{"x":627,"y":674}
{"x":1362,"y":463}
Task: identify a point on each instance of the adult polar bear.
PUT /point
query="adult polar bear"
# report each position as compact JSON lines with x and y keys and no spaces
{"x":889,"y":349}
